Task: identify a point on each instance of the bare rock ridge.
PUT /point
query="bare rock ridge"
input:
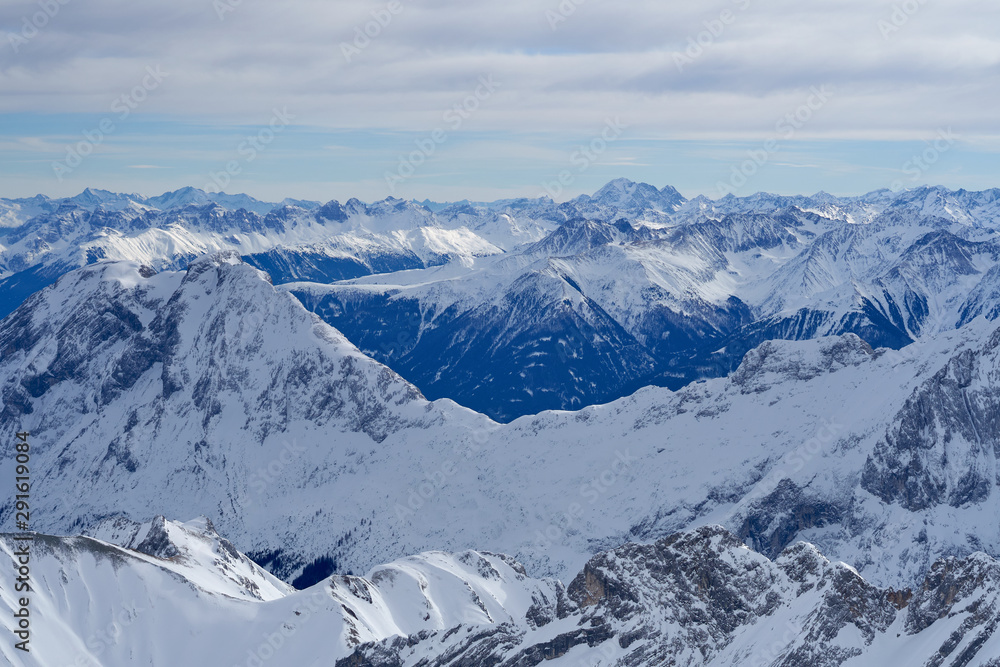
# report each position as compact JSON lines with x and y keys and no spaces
{"x":702,"y":598}
{"x":695,"y":598}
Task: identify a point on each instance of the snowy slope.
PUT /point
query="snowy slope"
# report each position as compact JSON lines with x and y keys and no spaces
{"x":15,"y":212}
{"x":675,"y":304}
{"x":95,"y":601}
{"x":75,"y":236}
{"x":195,"y":551}
{"x":209,"y":392}
{"x":289,"y":242}
{"x":695,"y":598}
{"x":677,"y":290}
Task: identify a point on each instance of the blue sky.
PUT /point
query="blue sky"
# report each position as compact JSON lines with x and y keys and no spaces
{"x":452,"y":100}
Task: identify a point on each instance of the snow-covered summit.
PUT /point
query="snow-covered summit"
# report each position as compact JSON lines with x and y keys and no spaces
{"x":195,"y":551}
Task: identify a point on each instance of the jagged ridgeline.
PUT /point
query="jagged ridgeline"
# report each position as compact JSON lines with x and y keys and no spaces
{"x":517,"y":306}
{"x":845,"y":352}
{"x":694,"y":598}
{"x":212,"y":392}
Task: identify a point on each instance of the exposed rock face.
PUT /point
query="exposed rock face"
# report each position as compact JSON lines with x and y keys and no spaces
{"x":175,"y":378}
{"x":770,"y":363}
{"x":211,"y":392}
{"x":703,"y":598}
{"x":774,"y":522}
{"x":697,"y":598}
{"x":157,"y":541}
{"x":945,"y":442}
{"x":593,"y":298}
{"x":962,"y":592}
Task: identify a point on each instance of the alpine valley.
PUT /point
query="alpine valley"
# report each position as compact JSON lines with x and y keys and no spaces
{"x":628,"y":429}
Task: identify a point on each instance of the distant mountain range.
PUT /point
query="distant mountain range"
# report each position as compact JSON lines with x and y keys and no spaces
{"x":14,"y":212}
{"x":813,"y":482}
{"x":518,"y":306}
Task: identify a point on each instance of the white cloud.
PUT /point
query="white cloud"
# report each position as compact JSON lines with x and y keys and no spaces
{"x":607,"y":58}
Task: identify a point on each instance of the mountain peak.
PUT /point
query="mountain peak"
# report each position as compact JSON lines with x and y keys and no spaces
{"x":221,"y":258}
{"x":620,"y":188}
{"x":625,"y":194}
{"x":671,"y":191}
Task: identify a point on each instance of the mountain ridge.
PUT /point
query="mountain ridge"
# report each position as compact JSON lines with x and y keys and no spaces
{"x":695,"y":598}
{"x":211,"y":392}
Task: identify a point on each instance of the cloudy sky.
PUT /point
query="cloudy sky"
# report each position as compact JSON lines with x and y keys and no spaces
{"x":453,"y":99}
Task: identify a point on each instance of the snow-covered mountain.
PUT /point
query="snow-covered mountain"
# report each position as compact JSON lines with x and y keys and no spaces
{"x":599,"y":308}
{"x":695,"y":598}
{"x":692,"y":522}
{"x":291,"y":243}
{"x":517,"y":306}
{"x":91,"y":199}
{"x":978,"y":209}
{"x":210,"y":392}
{"x":181,"y":595}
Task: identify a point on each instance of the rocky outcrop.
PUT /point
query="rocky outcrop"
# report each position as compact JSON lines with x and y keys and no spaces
{"x":944,"y":443}
{"x":703,"y":598}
